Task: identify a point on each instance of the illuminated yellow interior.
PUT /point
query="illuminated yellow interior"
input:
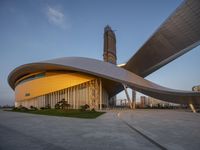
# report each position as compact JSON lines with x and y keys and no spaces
{"x":53,"y":81}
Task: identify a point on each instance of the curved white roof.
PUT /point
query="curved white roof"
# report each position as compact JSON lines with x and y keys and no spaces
{"x":106,"y":71}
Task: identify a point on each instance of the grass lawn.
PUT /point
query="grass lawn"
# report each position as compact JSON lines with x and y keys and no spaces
{"x":64,"y":113}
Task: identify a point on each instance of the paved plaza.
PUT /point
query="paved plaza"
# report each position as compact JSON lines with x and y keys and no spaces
{"x":128,"y":130}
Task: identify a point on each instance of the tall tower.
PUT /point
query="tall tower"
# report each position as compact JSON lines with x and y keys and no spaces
{"x":109,"y":54}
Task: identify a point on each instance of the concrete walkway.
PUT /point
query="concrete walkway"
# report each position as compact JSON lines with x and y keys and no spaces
{"x":172,"y":129}
{"x":169,"y":129}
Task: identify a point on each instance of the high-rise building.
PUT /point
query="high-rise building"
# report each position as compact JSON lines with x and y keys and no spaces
{"x":133,"y":99}
{"x":143,"y":101}
{"x":109,"y":54}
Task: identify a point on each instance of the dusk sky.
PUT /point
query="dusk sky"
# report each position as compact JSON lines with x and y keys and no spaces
{"x":36,"y":30}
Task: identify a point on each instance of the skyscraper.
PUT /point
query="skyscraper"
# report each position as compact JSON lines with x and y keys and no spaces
{"x":109,"y":54}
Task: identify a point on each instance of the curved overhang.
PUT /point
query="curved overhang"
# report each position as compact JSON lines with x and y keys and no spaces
{"x":176,"y":36}
{"x":109,"y":72}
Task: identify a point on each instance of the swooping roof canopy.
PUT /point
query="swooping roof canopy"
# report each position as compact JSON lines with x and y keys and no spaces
{"x":176,"y":36}
{"x":109,"y":72}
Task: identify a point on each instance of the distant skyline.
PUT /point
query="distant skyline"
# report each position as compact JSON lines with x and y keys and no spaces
{"x":44,"y":29}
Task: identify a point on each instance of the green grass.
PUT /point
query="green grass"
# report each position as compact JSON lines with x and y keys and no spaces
{"x":64,"y":113}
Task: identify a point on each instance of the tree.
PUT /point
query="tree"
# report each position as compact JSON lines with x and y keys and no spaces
{"x":62,"y":104}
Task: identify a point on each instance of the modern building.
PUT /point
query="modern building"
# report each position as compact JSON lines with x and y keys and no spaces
{"x":144,"y":102}
{"x":89,"y":81}
{"x":153,"y":102}
{"x":133,"y":99}
{"x":44,"y":88}
{"x":109,"y":53}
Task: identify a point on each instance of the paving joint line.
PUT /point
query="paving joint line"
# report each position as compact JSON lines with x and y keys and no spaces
{"x":142,"y":134}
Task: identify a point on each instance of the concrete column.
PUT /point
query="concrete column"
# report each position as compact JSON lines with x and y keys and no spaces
{"x":133,"y":98}
{"x":89,"y":95}
{"x":128,"y":98}
{"x":56,"y":98}
{"x":77,"y":92}
{"x":68,"y":98}
{"x":65,"y":95}
{"x":100,"y":94}
{"x":192,"y":108}
{"x":73,"y":97}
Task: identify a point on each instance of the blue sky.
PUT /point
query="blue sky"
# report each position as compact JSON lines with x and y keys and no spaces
{"x":35,"y":30}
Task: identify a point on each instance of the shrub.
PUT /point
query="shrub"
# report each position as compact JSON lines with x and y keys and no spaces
{"x":46,"y":107}
{"x":93,"y":110}
{"x":15,"y":108}
{"x":20,"y":108}
{"x":23,"y":108}
{"x":84,"y":107}
{"x":42,"y":108}
{"x":62,"y":104}
{"x":33,"y":108}
{"x":57,"y":106}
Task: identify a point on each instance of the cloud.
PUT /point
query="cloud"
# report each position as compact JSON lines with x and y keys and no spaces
{"x":57,"y":17}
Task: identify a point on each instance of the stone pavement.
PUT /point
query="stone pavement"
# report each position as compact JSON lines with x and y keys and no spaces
{"x":114,"y":130}
{"x":174,"y":130}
